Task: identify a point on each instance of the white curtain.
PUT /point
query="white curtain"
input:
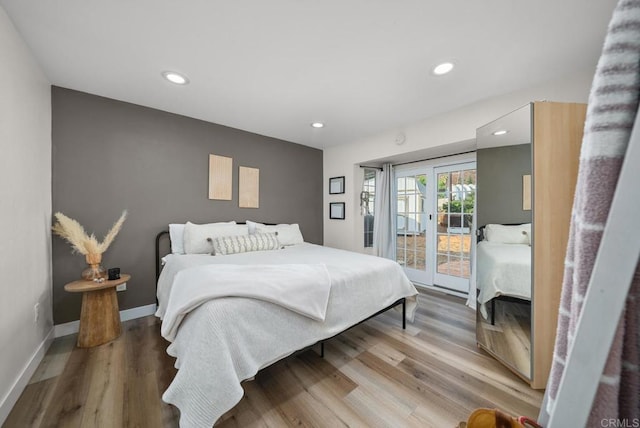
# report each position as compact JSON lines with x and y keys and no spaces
{"x":384,"y":224}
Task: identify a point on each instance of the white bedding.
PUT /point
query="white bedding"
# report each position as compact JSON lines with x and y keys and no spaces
{"x":301,"y":288}
{"x":503,"y":270}
{"x":227,"y":340}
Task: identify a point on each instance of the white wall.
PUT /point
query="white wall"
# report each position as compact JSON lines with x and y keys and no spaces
{"x":25,"y":192}
{"x":447,"y":128}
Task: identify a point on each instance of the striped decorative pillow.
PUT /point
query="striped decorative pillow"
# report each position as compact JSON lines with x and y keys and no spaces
{"x":225,"y":245}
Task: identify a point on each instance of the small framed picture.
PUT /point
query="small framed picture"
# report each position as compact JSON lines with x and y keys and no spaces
{"x":336,"y":210}
{"x":336,"y":185}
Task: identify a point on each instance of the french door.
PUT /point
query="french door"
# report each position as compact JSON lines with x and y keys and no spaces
{"x":434,"y":224}
{"x":411,"y":224}
{"x":455,"y":203}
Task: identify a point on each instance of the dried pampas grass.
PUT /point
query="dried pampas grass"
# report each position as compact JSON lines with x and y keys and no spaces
{"x":73,"y":232}
{"x":110,"y":236}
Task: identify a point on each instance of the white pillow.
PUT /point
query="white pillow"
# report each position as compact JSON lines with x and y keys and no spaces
{"x":288,"y":234}
{"x":502,"y":234}
{"x":252,"y":226}
{"x":195,"y":235}
{"x":224,"y":245}
{"x":176,"y":235}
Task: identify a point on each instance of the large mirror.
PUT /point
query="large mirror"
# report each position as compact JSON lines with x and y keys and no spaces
{"x":503,"y":253}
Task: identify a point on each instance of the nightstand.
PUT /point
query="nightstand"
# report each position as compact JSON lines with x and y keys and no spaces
{"x":99,"y":317}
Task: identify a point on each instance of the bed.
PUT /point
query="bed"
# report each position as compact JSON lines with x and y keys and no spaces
{"x":503,"y":267}
{"x":226,"y":340}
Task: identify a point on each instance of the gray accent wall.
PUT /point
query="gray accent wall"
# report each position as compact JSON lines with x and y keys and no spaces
{"x":499,"y":175}
{"x":110,"y":155}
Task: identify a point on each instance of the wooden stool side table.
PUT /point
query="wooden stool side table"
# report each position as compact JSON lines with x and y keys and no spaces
{"x":99,"y":316}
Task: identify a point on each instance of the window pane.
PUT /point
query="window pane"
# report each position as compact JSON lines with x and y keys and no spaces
{"x":455,"y":268}
{"x":421,"y":242}
{"x":422,"y":223}
{"x":466,"y":268}
{"x":443,"y":243}
{"x":455,"y":178}
{"x":455,"y":244}
{"x":455,"y":223}
{"x":465,"y":249}
{"x":411,"y":242}
{"x":411,"y":259}
{"x":368,"y":230}
{"x":443,"y":181}
{"x":367,"y":204}
{"x":443,"y":264}
{"x":443,"y":202}
{"x":469,"y":176}
{"x":413,"y":203}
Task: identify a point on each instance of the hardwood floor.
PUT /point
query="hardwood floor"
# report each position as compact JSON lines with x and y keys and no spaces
{"x":430,"y":375}
{"x":510,"y":337}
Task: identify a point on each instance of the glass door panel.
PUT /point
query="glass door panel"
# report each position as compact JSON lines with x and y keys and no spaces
{"x":411,"y":225}
{"x":455,"y":202}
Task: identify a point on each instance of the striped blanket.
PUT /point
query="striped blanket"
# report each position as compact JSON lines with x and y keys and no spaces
{"x":613,"y":104}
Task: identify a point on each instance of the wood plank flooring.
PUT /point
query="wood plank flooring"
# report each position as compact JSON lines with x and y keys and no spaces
{"x":376,"y":375}
{"x":510,"y":337}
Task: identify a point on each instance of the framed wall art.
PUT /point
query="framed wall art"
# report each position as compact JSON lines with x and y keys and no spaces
{"x":336,"y":210}
{"x":336,"y":185}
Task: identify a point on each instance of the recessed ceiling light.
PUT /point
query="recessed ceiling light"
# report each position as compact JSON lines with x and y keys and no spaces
{"x":317,"y":125}
{"x":174,"y":77}
{"x":501,"y":132}
{"x":443,"y":68}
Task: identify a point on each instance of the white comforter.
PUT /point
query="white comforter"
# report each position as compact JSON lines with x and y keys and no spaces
{"x":301,"y":288}
{"x":503,"y":270}
{"x":227,"y":340}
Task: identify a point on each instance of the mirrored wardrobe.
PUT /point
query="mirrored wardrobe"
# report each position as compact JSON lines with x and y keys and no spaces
{"x":527,"y":165}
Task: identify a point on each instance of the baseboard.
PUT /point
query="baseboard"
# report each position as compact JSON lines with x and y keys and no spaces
{"x":125,"y":315}
{"x":139,"y":312}
{"x":23,"y":380}
{"x":441,"y":290}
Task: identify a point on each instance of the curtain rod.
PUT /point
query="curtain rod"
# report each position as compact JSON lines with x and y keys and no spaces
{"x":437,"y":157}
{"x":420,"y":160}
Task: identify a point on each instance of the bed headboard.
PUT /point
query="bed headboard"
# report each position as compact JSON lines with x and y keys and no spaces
{"x":479,"y":234}
{"x":158,"y":258}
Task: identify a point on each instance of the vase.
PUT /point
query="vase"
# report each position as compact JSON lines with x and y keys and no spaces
{"x":95,"y":269}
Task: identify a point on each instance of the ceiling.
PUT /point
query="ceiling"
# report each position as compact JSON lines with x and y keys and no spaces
{"x":273,"y":67}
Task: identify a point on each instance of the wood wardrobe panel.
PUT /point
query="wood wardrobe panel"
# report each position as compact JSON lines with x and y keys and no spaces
{"x":557,"y":136}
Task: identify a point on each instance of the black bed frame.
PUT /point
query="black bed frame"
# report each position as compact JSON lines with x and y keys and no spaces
{"x":480,"y":236}
{"x":402,"y":301}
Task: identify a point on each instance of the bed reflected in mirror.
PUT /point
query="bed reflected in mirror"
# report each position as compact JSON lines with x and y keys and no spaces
{"x":503,"y":252}
{"x":504,"y":293}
